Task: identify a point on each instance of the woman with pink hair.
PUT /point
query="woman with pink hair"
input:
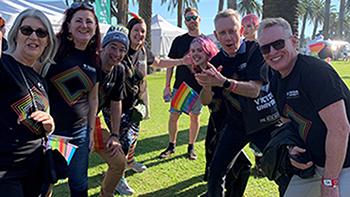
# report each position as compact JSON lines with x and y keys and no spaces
{"x":202,"y":49}
{"x":250,"y":23}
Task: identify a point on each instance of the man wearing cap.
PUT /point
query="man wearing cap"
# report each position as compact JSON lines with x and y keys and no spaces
{"x":111,"y":92}
{"x":3,"y":31}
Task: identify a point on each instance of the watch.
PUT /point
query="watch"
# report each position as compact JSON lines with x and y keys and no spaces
{"x":330,"y":182}
{"x":226,"y":84}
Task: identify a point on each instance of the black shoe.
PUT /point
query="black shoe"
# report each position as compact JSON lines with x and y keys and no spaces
{"x":167,"y":153}
{"x":191,"y":155}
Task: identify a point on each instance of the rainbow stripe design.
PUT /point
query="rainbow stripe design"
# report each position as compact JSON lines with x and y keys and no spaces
{"x":184,"y":99}
{"x":72,"y":84}
{"x":303,"y":123}
{"x":60,"y":143}
{"x":316,"y":47}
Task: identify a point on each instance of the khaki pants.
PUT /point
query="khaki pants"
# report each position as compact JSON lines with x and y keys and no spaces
{"x":311,"y":187}
{"x":116,"y":167}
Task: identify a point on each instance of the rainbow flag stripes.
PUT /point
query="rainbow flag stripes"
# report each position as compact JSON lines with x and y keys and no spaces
{"x":60,"y":143}
{"x":184,"y":99}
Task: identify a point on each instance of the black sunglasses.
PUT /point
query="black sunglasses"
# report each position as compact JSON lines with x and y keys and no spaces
{"x":277,"y":45}
{"x":193,"y":17}
{"x":27,"y":31}
{"x":77,"y":5}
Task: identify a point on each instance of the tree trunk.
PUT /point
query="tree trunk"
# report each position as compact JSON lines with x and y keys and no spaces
{"x":315,"y":28}
{"x":341,"y":19}
{"x":273,"y":8}
{"x":232,"y":4}
{"x":123,"y":7}
{"x":179,"y":13}
{"x":302,"y":33}
{"x":326,"y":19}
{"x":145,"y":11}
{"x":221,"y":5}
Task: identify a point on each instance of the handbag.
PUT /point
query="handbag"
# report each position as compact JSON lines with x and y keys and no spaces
{"x":55,"y":166}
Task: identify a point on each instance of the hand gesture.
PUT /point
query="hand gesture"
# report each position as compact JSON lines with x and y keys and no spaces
{"x":113,"y":146}
{"x":45,"y":119}
{"x":295,"y":151}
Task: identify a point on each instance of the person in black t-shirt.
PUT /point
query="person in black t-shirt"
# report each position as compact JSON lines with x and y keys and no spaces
{"x":24,"y":114}
{"x":73,"y":84}
{"x":179,"y":48}
{"x":240,"y":79}
{"x":311,"y":94}
{"x":111,"y":93}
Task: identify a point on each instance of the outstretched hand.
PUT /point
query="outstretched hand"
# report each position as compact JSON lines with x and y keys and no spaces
{"x":210,"y":77}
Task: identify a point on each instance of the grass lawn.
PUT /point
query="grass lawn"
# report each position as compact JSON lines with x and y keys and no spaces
{"x":176,"y":176}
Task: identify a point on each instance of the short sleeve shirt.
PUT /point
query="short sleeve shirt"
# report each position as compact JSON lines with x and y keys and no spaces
{"x":179,"y":48}
{"x":20,"y":136}
{"x":70,"y":81}
{"x":311,"y":86}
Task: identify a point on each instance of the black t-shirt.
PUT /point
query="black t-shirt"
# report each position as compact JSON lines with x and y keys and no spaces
{"x":112,"y":86}
{"x":179,"y":48}
{"x":20,"y":136}
{"x":238,"y":68}
{"x":70,"y":81}
{"x":4,"y":44}
{"x":311,"y":86}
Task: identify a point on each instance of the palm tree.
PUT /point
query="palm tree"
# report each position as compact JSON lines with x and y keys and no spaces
{"x":122,"y":11}
{"x":145,"y":11}
{"x":317,"y":14}
{"x":249,"y":6}
{"x":232,"y":4}
{"x":274,"y":8}
{"x":305,"y":11}
{"x":327,"y":12}
{"x":341,"y":19}
{"x":180,"y":5}
{"x":221,"y":5}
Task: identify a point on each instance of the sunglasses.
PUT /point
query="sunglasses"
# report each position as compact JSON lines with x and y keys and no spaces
{"x":27,"y":31}
{"x":188,"y":18}
{"x":77,"y":5}
{"x":277,"y":45}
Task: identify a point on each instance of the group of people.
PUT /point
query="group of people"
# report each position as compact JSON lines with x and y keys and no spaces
{"x":68,"y":84}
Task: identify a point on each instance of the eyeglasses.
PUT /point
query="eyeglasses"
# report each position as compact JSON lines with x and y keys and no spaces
{"x":77,"y":5}
{"x":193,"y":17}
{"x":277,"y":45}
{"x":27,"y":31}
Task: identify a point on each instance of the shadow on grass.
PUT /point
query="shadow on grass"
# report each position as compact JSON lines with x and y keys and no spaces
{"x":175,"y":190}
{"x":156,"y":143}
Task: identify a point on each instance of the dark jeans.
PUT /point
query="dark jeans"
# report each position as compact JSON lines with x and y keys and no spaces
{"x":231,"y":142}
{"x":78,"y":166}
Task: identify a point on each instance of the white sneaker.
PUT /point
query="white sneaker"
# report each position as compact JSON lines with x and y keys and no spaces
{"x":137,"y":167}
{"x":123,"y":188}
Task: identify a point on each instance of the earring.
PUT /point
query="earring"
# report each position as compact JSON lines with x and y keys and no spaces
{"x":69,"y":37}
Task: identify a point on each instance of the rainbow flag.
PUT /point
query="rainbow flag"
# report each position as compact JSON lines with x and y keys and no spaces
{"x":184,"y":99}
{"x":60,"y":143}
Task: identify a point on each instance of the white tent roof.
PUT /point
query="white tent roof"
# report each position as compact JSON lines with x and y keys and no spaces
{"x":53,"y":9}
{"x":163,"y":34}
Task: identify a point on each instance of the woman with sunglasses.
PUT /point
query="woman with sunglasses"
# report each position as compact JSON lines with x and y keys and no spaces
{"x":73,"y":83}
{"x":24,"y":117}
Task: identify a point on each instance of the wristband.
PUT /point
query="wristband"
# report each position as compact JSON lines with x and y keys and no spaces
{"x":329,"y":182}
{"x":234,"y":85}
{"x":114,"y":135}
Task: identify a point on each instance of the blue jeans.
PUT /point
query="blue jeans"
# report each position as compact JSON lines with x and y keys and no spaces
{"x":78,"y":167}
{"x":231,"y":142}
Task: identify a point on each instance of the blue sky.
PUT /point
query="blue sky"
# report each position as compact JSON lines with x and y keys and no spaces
{"x":207,"y":9}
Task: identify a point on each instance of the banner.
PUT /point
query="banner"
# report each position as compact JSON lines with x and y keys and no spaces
{"x":103,"y":11}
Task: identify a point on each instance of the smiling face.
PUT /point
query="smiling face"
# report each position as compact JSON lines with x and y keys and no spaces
{"x":192,"y":21}
{"x":29,"y":48}
{"x":249,"y":31}
{"x":83,"y":28}
{"x":228,"y":33}
{"x":198,"y":55}
{"x":112,"y":54}
{"x":282,"y":59}
{"x":138,"y":35}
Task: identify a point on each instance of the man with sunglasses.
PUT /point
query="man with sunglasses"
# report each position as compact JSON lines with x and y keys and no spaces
{"x":179,"y":48}
{"x":312,"y":95}
{"x":235,"y":80}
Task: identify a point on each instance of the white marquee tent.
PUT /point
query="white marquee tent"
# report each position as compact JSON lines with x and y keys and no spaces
{"x":163,"y":34}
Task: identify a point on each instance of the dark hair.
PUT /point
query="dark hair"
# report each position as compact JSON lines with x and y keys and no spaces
{"x":132,"y":22}
{"x":66,"y":46}
{"x":189,"y":9}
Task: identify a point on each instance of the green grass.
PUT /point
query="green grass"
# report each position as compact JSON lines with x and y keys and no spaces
{"x":175,"y":176}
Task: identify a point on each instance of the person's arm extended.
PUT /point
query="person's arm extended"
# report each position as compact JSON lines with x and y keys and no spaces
{"x":116,"y":113}
{"x":166,"y":63}
{"x":206,"y":95}
{"x":249,"y":89}
{"x":93,"y":105}
{"x":335,"y":118}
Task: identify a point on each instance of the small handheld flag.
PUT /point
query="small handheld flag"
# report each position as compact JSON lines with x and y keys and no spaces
{"x":184,"y":99}
{"x":60,"y":143}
